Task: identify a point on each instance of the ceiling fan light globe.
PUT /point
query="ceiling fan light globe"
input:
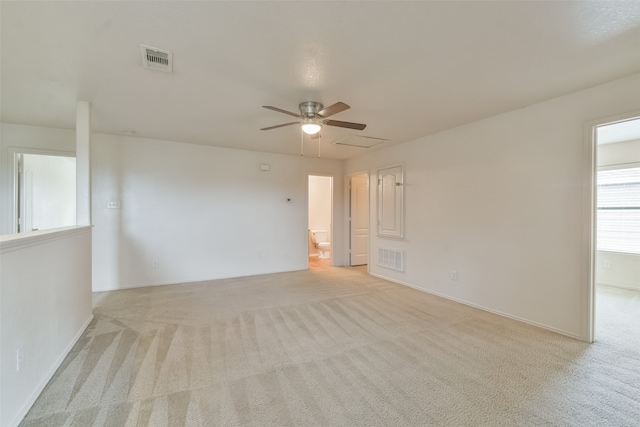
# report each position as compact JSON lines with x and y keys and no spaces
{"x":311,"y":128}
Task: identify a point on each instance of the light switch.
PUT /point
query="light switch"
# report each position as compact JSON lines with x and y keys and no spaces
{"x":114,"y":204}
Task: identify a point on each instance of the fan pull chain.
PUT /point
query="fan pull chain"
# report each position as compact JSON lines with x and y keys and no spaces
{"x":319,"y":138}
{"x":301,"y":142}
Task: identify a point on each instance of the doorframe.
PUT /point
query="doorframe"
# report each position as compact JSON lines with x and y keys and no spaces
{"x":590,"y":164}
{"x":347,"y":213}
{"x":14,"y":152}
{"x":333,"y":204}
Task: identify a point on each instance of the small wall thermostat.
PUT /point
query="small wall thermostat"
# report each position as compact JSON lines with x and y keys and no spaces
{"x":265,"y":167}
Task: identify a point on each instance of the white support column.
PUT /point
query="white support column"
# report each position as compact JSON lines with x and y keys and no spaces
{"x":83,"y":163}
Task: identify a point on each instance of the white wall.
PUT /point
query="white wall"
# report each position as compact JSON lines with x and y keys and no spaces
{"x":45,"y":300}
{"x":25,"y":137}
{"x":501,"y":201}
{"x":619,"y":153}
{"x":201,"y":212}
{"x":622,"y":269}
{"x":320,"y":204}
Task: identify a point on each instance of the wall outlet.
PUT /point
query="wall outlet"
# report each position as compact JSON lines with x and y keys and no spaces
{"x":155,"y":263}
{"x":454,"y":275}
{"x":264,"y":255}
{"x":607,"y":264}
{"x":19,"y":359}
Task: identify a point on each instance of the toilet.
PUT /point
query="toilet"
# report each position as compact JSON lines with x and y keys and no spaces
{"x":320,"y":240}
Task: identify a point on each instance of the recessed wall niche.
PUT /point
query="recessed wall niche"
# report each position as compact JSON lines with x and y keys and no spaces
{"x":390,"y":201}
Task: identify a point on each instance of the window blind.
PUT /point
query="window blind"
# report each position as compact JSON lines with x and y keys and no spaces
{"x":618,"y":210}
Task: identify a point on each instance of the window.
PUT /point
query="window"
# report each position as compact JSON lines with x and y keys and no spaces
{"x":619,"y":210}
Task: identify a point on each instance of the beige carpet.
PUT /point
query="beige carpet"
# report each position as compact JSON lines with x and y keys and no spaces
{"x":331,"y":347}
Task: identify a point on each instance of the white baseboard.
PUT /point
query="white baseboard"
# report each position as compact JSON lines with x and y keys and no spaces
{"x":196,"y":280}
{"x":499,"y":313}
{"x":47,"y":377}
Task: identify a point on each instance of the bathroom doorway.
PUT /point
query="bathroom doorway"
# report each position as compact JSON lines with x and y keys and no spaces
{"x":320,"y":221}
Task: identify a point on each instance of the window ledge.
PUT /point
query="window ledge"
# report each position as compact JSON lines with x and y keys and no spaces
{"x":619,"y":252}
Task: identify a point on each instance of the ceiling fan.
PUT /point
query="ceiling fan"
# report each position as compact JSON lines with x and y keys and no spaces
{"x":313,"y":115}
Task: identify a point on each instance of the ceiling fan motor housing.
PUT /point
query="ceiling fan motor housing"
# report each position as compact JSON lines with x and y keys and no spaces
{"x":314,"y":116}
{"x":310,"y":109}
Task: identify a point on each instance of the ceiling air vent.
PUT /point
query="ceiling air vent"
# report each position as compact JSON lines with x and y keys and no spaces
{"x":156,"y":59}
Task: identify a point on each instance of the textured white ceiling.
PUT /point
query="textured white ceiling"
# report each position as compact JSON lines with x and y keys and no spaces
{"x":407,"y":69}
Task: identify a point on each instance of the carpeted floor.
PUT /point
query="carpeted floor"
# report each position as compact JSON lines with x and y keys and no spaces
{"x":334,"y":347}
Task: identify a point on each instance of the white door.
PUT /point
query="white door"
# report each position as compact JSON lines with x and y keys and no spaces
{"x":359,"y":210}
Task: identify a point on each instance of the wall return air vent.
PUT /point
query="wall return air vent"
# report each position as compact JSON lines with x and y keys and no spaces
{"x":391,"y":258}
{"x":156,"y":59}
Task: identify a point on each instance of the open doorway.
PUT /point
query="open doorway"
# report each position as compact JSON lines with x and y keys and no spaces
{"x":320,"y":221}
{"x":45,"y":191}
{"x":617,"y":232}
